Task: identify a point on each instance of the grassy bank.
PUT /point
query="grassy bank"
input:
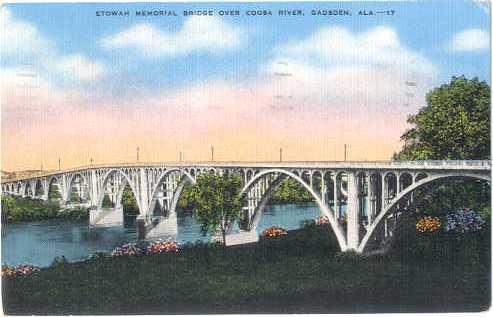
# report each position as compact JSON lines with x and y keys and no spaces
{"x":17,"y":209}
{"x":300,"y":273}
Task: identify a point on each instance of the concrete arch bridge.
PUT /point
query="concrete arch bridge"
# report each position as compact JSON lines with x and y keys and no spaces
{"x":361,"y":200}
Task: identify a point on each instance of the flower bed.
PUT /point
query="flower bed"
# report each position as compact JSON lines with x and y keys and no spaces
{"x":155,"y":247}
{"x":274,"y":232}
{"x":463,"y":221}
{"x":129,"y":249}
{"x":322,"y":220}
{"x":428,"y":224}
{"x":20,"y":270}
{"x":168,"y":246}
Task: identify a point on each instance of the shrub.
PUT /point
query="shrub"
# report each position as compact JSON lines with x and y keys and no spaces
{"x":168,"y":246}
{"x":428,"y":224}
{"x":274,"y":232}
{"x":59,"y":261}
{"x":20,"y":270}
{"x":129,"y":249}
{"x":463,"y":221}
{"x":307,"y":223}
{"x":322,"y":220}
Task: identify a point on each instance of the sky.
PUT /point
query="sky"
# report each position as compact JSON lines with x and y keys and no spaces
{"x":78,"y":86}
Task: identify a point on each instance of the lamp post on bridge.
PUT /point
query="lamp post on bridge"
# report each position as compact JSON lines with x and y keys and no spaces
{"x":212,"y":153}
{"x":280,"y":154}
{"x":59,"y":164}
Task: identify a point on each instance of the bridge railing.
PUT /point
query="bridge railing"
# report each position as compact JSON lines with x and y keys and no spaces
{"x":426,"y":164}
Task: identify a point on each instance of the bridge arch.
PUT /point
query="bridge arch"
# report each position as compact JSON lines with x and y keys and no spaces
{"x":39,"y":189}
{"x":429,"y":179}
{"x":187,"y":177}
{"x":52,"y":193}
{"x":71,"y":183}
{"x":120,"y":189}
{"x":28,"y":191}
{"x":405,"y":180}
{"x":419,"y":176}
{"x":324,"y":209}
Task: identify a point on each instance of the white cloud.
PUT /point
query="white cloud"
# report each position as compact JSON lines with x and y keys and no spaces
{"x":470,"y":40}
{"x":378,"y":48}
{"x":209,"y":34}
{"x":335,"y":68}
{"x":23,"y":44}
{"x":80,"y":67}
{"x":20,"y":38}
{"x":483,"y":5}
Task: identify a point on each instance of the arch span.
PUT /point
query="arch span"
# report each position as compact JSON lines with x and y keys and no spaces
{"x":324,"y":209}
{"x":71,"y":183}
{"x":121,"y":187}
{"x":55,"y":189}
{"x":39,"y":189}
{"x":407,"y":190}
{"x":187,"y":177}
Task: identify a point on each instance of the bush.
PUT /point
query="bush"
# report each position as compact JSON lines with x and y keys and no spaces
{"x":464,"y":221}
{"x":274,"y":232}
{"x":59,"y":261}
{"x":15,"y":209}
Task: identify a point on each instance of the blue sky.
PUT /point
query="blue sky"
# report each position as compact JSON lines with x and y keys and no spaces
{"x":346,"y":77}
{"x":422,"y":26}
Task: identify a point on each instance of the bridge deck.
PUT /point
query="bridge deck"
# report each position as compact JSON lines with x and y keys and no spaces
{"x":471,"y":165}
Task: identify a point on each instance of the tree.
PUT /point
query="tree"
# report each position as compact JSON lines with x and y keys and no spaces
{"x":129,"y":203}
{"x":217,"y":202}
{"x":454,"y":125}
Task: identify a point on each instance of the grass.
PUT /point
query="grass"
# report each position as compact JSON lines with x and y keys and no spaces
{"x":299,"y":273}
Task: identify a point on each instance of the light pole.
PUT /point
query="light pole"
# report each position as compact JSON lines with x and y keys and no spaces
{"x":59,"y":164}
{"x":280,"y":154}
{"x":212,"y":153}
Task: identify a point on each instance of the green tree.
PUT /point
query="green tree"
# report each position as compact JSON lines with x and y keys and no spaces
{"x":129,"y":203}
{"x":291,"y":191}
{"x":455,"y":124}
{"x":185,"y":202}
{"x":217,"y":202}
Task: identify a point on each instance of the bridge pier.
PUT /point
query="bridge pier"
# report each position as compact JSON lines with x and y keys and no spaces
{"x":241,"y":237}
{"x":157,"y":227}
{"x":352,"y":212}
{"x":106,"y":216}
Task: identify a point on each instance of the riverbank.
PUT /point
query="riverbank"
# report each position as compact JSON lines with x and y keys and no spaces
{"x":302,"y":272}
{"x":17,"y":209}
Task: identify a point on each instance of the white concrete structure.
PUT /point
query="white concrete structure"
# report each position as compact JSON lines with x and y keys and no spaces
{"x":373,"y":193}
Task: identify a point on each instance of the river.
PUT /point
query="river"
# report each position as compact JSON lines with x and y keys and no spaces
{"x":38,"y":243}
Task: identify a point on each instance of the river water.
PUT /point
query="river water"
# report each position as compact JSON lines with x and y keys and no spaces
{"x":38,"y":243}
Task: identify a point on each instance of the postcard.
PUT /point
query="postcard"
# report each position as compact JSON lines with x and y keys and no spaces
{"x":245,"y":157}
